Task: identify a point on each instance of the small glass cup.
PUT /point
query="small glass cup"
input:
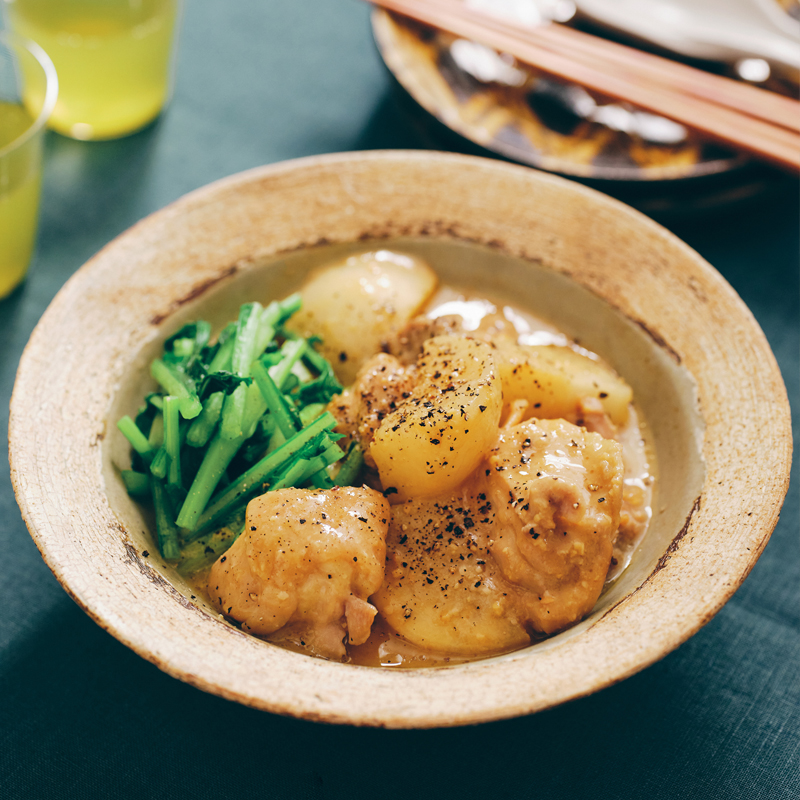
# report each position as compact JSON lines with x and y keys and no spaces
{"x":28,"y":91}
{"x":113,"y":58}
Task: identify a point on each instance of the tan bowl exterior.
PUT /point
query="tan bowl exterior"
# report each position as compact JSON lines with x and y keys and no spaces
{"x":703,"y":360}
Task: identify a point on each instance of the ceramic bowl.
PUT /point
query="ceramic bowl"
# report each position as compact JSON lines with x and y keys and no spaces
{"x":702,"y":373}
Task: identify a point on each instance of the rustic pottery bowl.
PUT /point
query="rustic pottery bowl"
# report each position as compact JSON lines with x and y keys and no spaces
{"x":700,"y":367}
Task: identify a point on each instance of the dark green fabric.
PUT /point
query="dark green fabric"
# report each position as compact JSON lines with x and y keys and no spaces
{"x":81,"y":716}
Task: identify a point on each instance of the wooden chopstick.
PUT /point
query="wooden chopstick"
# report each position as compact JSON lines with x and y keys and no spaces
{"x":744,"y":97}
{"x":751,"y":120}
{"x":590,"y":49}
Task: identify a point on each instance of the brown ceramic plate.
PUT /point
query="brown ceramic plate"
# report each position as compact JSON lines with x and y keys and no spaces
{"x":700,"y":367}
{"x":526,"y":122}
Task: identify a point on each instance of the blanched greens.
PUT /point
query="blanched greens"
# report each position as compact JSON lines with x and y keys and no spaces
{"x":233,"y":418}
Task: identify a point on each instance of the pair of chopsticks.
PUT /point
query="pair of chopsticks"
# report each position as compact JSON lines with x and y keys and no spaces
{"x":740,"y":115}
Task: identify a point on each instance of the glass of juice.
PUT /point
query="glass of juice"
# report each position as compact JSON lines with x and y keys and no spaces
{"x":28,"y":91}
{"x":113,"y":58}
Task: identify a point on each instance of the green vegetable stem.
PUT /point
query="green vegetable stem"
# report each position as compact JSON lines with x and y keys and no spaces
{"x":233,"y":418}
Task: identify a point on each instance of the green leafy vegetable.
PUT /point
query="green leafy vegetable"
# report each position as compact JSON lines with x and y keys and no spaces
{"x":234,"y":417}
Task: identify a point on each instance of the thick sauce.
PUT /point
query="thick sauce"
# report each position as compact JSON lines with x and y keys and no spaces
{"x":384,"y":647}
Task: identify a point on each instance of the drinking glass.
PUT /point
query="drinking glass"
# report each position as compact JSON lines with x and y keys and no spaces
{"x":28,"y":91}
{"x":113,"y":58}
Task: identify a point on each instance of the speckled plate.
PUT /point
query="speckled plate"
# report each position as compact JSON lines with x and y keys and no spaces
{"x":699,"y":365}
{"x":524,"y":124}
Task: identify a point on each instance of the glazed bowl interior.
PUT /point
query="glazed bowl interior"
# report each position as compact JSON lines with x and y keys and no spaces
{"x":664,"y":391}
{"x":605,"y":275}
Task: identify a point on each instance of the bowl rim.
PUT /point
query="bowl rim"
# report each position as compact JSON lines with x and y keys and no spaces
{"x":597,"y":667}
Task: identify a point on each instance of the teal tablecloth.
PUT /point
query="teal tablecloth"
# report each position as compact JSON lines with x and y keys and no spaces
{"x":81,"y":716}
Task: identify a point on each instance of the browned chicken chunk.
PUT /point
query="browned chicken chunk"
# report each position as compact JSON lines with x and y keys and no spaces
{"x":380,"y":386}
{"x":556,"y":490}
{"x":309,"y":560}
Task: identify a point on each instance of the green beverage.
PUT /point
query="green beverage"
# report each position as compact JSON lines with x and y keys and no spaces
{"x":112,"y":58}
{"x":19,"y":198}
{"x":28,"y":91}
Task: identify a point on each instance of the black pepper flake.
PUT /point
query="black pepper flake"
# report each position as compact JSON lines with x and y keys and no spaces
{"x":302,"y":522}
{"x":342,"y":356}
{"x":601,"y":500}
{"x":355,"y":558}
{"x":603,"y":395}
{"x":478,"y":583}
{"x":253,"y":528}
{"x":208,"y":550}
{"x":145,"y":553}
{"x":223,"y":559}
{"x":429,"y":580}
{"x":537,"y":405}
{"x":362,"y":519}
{"x":403,"y":539}
{"x":434,"y":441}
{"x":468,"y":523}
{"x":482,"y":408}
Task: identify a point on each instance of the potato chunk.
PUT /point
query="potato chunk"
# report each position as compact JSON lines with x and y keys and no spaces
{"x":357,"y":303}
{"x":555,"y":379}
{"x":437,"y":437}
{"x":308,"y":559}
{"x":442,"y":591}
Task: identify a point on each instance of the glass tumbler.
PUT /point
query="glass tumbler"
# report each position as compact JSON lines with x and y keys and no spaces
{"x":113,"y":58}
{"x":28,"y":91}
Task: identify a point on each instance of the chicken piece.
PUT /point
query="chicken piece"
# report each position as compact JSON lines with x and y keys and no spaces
{"x":633,"y":519}
{"x":593,"y":417}
{"x":380,"y":386}
{"x":407,"y":344}
{"x":309,"y":559}
{"x":442,"y":590}
{"x":556,"y":490}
